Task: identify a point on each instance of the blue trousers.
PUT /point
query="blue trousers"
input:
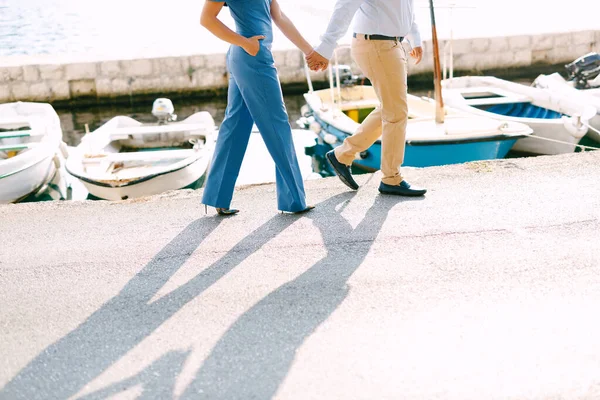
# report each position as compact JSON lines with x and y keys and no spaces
{"x":254,"y":96}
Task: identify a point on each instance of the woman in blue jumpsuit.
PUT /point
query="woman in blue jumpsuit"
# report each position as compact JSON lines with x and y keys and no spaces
{"x":254,"y":96}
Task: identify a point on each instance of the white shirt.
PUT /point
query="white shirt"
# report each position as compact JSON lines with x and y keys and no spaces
{"x":372,"y":17}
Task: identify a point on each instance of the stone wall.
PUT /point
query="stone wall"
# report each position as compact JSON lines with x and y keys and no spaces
{"x":52,"y":80}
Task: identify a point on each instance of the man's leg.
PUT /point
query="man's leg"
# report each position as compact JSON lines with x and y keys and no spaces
{"x":364,"y":53}
{"x":389,"y":82}
{"x":388,"y":71}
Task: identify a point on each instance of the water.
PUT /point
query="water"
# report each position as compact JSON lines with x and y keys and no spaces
{"x":139,"y":28}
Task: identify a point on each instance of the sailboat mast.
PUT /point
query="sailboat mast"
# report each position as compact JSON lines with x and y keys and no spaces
{"x":437,"y":71}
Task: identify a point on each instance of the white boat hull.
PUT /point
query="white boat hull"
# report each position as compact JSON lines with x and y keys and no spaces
{"x":537,"y":143}
{"x":594,"y":134}
{"x":560,"y":86}
{"x":33,"y":168}
{"x":28,"y":181}
{"x":462,"y":137}
{"x":545,"y":131}
{"x":109,"y":174}
{"x":163,"y":183}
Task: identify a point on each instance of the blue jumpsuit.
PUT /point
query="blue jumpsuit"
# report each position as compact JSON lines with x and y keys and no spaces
{"x":254,"y":96}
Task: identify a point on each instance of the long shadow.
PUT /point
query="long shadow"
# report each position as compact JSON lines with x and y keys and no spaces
{"x":254,"y":356}
{"x":157,"y":381}
{"x":66,"y":366}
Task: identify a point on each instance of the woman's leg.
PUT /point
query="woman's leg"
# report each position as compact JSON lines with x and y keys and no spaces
{"x":261,"y":91}
{"x":232,"y":142}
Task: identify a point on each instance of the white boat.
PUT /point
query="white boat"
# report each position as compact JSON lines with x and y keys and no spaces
{"x":558,"y":122}
{"x":126,"y":159}
{"x":559,"y":85}
{"x":337,"y":113}
{"x":31,"y":150}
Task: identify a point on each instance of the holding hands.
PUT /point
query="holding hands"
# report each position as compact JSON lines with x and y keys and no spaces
{"x":316,"y":62}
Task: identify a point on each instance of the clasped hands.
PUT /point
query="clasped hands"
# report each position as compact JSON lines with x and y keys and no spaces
{"x":316,"y":62}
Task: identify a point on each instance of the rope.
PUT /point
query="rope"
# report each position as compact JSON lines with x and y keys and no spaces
{"x":560,"y":141}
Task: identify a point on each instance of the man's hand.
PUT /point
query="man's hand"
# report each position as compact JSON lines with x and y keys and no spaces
{"x":317,"y":62}
{"x":417,"y":54}
{"x":252,"y":45}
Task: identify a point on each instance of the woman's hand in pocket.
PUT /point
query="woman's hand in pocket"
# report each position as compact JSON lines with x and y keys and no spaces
{"x":252,"y":45}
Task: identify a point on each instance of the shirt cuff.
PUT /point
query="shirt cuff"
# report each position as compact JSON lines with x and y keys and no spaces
{"x":415,"y":40}
{"x":326,"y":49}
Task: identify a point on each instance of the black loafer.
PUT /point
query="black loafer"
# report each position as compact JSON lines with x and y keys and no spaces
{"x":342,"y":171}
{"x":307,"y":209}
{"x":403,"y":189}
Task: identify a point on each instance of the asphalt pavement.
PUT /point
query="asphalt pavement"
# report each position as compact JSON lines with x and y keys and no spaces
{"x":486,"y":288}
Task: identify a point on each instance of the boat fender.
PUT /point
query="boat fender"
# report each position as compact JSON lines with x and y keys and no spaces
{"x":574,"y":126}
{"x":57,"y":162}
{"x":305,"y":111}
{"x":303,"y":123}
{"x":64,"y":150}
{"x":330,"y":139}
{"x":315,"y":127}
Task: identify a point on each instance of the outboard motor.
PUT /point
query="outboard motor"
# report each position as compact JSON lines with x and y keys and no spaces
{"x":346,"y":76}
{"x":584,"y":69}
{"x":163,"y":110}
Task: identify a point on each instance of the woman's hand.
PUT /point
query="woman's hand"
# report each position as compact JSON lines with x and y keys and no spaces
{"x":252,"y":45}
{"x":210,"y":21}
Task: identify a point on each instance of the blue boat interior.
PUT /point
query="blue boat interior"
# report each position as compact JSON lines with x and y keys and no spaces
{"x":522,"y":110}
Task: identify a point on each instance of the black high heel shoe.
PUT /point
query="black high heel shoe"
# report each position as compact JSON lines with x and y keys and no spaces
{"x":222,"y":211}
{"x":227,"y":211}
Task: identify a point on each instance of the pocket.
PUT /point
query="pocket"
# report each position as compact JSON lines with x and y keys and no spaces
{"x":362,"y":47}
{"x":388,"y":45}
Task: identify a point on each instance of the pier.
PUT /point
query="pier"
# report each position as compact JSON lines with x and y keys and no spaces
{"x":80,"y":80}
{"x":485,"y":288}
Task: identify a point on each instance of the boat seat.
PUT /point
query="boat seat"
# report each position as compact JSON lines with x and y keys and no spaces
{"x":17,"y":147}
{"x":138,"y":156}
{"x":118,"y":133}
{"x":13,"y":121}
{"x":19,"y":134}
{"x":488,"y":101}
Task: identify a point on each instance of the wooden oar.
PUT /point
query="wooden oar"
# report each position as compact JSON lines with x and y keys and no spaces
{"x":437,"y":71}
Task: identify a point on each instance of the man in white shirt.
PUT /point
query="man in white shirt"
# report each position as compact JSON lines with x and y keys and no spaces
{"x":379,"y":27}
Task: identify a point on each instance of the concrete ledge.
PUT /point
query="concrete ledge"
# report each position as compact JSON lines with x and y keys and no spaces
{"x":57,"y":80}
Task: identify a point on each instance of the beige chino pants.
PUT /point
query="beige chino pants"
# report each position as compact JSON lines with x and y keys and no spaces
{"x":384,"y":63}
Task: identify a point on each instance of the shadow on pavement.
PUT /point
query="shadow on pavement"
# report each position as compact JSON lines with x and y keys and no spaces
{"x":253,"y":356}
